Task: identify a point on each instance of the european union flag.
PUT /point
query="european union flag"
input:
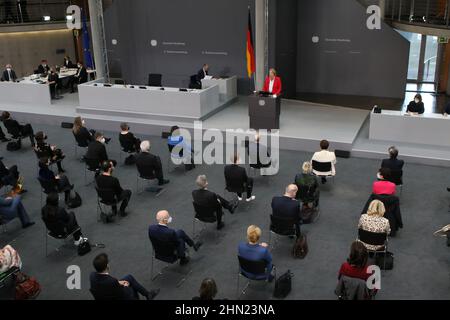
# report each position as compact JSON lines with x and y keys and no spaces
{"x":88,"y":62}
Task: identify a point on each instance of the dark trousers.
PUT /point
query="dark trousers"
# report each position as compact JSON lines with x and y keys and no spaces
{"x":11,"y":178}
{"x":2,"y":134}
{"x":248,"y":188}
{"x":64,"y":186}
{"x":72,"y":225}
{"x":135,"y":287}
{"x":53,"y":90}
{"x":15,"y":210}
{"x":27,"y":131}
{"x":159,"y":174}
{"x":124,"y":198}
{"x":183,"y":239}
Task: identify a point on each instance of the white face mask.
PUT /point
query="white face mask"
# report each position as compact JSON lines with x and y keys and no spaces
{"x":169,"y":221}
{"x":8,"y":69}
{"x":103,"y":140}
{"x":417,"y":100}
{"x":83,"y":122}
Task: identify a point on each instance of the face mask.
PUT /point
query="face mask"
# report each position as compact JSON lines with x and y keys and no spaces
{"x":169,"y":220}
{"x":8,"y":69}
{"x":417,"y":100}
{"x":103,"y":140}
{"x":83,"y":122}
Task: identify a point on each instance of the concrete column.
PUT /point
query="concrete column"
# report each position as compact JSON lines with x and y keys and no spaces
{"x":261,"y":41}
{"x":382,"y":5}
{"x":98,"y":41}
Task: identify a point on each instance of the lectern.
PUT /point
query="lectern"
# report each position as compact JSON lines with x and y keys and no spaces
{"x":264,"y":112}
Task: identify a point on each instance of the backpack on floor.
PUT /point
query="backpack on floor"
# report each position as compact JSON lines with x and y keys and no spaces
{"x":27,"y":288}
{"x":75,"y":200}
{"x":300,"y":249}
{"x":14,"y":145}
{"x":283,"y":285}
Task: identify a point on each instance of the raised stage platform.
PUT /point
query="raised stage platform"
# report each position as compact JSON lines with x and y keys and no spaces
{"x":303,"y":125}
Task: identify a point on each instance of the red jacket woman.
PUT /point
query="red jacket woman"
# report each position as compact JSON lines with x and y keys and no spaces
{"x":276,"y":86}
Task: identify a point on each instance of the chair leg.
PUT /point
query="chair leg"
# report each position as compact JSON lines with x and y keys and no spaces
{"x":237,"y":287}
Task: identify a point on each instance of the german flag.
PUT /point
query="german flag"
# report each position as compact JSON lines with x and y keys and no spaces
{"x":251,"y":65}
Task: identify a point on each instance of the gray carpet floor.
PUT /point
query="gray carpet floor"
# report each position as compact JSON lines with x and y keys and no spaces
{"x":421,"y":260}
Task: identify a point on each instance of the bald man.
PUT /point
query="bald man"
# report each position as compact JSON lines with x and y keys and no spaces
{"x":162,"y":233}
{"x":288,"y":207}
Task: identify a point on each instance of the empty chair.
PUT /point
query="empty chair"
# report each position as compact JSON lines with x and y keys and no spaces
{"x":155,"y":80}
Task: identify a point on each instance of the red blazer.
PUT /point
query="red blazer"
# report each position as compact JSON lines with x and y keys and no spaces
{"x":276,"y":86}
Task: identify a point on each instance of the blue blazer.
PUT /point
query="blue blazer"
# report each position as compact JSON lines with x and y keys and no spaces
{"x":255,"y":253}
{"x":105,"y":287}
{"x":285,"y":207}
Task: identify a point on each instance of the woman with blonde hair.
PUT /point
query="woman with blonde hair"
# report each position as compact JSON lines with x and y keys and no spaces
{"x":308,"y":185}
{"x":255,"y":251}
{"x":374,"y":221}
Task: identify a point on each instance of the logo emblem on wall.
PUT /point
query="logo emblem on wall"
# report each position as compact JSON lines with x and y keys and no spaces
{"x":153,"y":43}
{"x":315,"y":39}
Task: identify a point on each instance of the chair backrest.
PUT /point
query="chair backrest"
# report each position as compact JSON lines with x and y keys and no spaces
{"x":321,"y":166}
{"x":282,"y":226}
{"x":258,"y":267}
{"x":107,"y":196}
{"x":155,"y":80}
{"x":13,"y":128}
{"x":372,"y":238}
{"x":164,"y":250}
{"x":306,"y":192}
{"x":48,"y":186}
{"x":146,"y":172}
{"x":92,"y":164}
{"x":205,"y":214}
{"x":396,"y":177}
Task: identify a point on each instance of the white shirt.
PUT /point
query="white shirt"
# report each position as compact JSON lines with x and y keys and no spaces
{"x":271,"y":85}
{"x":325,"y":156}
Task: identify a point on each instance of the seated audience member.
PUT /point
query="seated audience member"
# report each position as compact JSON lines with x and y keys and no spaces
{"x":9,"y":258}
{"x":9,"y":176}
{"x":288,"y":207}
{"x":14,"y":127}
{"x":393,"y":163}
{"x":106,"y":181}
{"x":44,"y":150}
{"x":11,"y":208}
{"x":383,"y":185}
{"x":163,"y":233}
{"x":254,"y":251}
{"x":147,"y":162}
{"x":82,"y":135}
{"x":128,"y":141}
{"x":207,"y":291}
{"x":3,"y":138}
{"x":97,"y":150}
{"x":259,"y":155}
{"x":416,"y":106}
{"x":60,"y":222}
{"x":53,"y":82}
{"x":325,"y":156}
{"x":60,"y":180}
{"x":208,"y":199}
{"x":308,"y":182}
{"x":356,"y":265}
{"x":236,"y":179}
{"x":80,"y":78}
{"x":43,"y":68}
{"x":106,"y":287}
{"x":176,"y":140}
{"x":373,"y":221}
{"x":9,"y":74}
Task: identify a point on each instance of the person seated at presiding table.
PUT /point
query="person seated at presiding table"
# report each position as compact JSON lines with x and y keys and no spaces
{"x":176,"y":141}
{"x":43,"y":68}
{"x":162,"y":233}
{"x":237,"y":179}
{"x":67,"y":63}
{"x":416,"y":106}
{"x":203,"y":72}
{"x":288,"y":207}
{"x":44,"y":150}
{"x":97,"y":150}
{"x":106,"y":181}
{"x":208,"y":199}
{"x":128,"y":141}
{"x":11,"y":208}
{"x":147,"y":162}
{"x":80,"y":78}
{"x":325,"y":156}
{"x":374,"y":221}
{"x":9,"y":74}
{"x":9,"y":258}
{"x":207,"y":291}
{"x":60,"y":180}
{"x":383,"y":185}
{"x":10,"y":177}
{"x":24,"y":130}
{"x":60,"y":222}
{"x":106,"y":287}
{"x":356,"y":265}
{"x":307,"y":181}
{"x":255,"y":251}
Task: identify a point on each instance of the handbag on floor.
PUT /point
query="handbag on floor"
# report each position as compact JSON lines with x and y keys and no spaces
{"x":380,"y":261}
{"x":300,"y":249}
{"x":283,"y":285}
{"x":14,"y":145}
{"x":75,"y":200}
{"x":27,"y":288}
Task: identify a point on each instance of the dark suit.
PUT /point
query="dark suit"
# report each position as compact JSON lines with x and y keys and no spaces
{"x":149,"y":165}
{"x":17,"y":130}
{"x":129,"y":142}
{"x":208,"y":199}
{"x":106,"y":287}
{"x":237,"y":180}
{"x":53,"y":80}
{"x":41,"y":70}
{"x":178,"y":238}
{"x":97,"y":150}
{"x":396,"y":167}
{"x":62,"y":223}
{"x":6,"y":76}
{"x":201,"y":74}
{"x":83,"y":137}
{"x":112,"y":183}
{"x":416,"y":107}
{"x":285,"y":207}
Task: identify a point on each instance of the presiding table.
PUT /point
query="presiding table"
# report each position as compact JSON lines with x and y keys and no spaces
{"x":430,"y":129}
{"x":227,"y":87}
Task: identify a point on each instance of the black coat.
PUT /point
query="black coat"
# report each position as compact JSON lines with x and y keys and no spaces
{"x":97,"y":151}
{"x":235,"y":177}
{"x":285,"y":207}
{"x":147,"y":164}
{"x":206,"y":198}
{"x":105,"y":287}
{"x":5,"y":76}
{"x":40,"y":69}
{"x":83,"y":137}
{"x":392,"y":206}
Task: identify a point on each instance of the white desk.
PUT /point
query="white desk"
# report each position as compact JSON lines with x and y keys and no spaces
{"x":227,"y":87}
{"x":430,"y":129}
{"x":25,"y":92}
{"x":151,"y":102}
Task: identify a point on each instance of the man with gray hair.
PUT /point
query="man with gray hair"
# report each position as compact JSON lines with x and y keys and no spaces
{"x":208,"y":199}
{"x":149,"y":164}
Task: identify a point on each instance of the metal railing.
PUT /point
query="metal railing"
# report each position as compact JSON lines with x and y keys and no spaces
{"x":434,"y":13}
{"x":32,"y":11}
